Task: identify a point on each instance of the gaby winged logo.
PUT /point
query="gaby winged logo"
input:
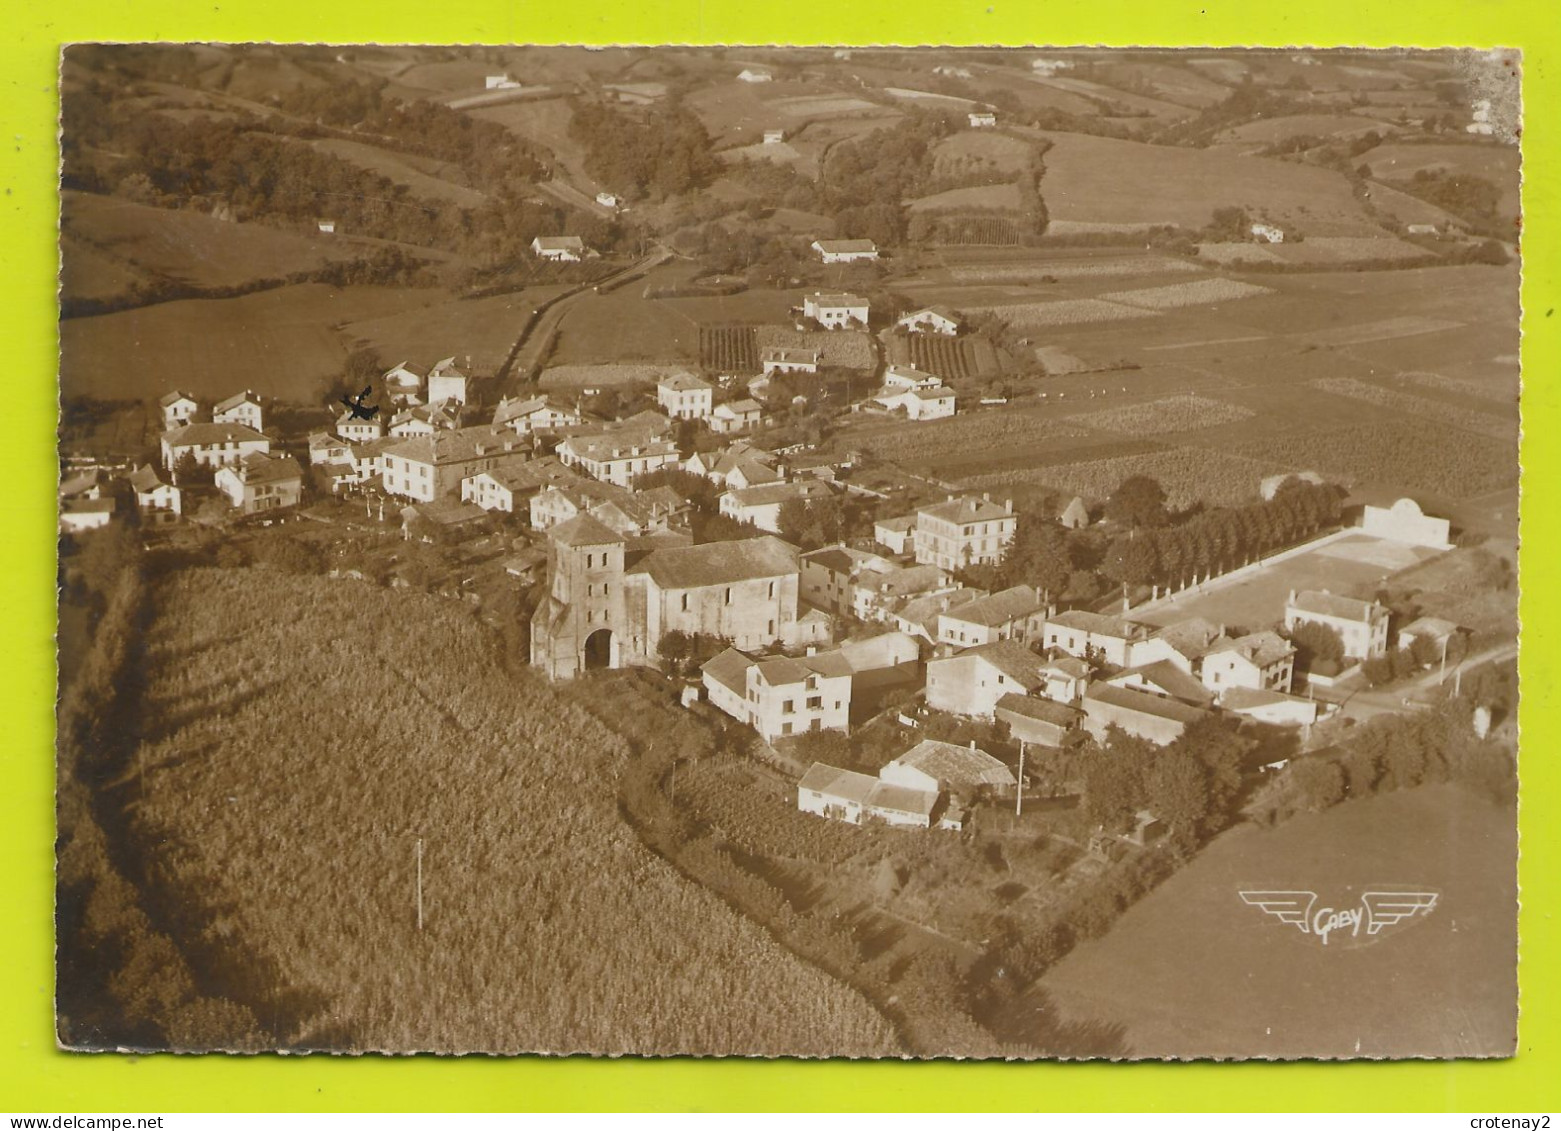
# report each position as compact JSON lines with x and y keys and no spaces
{"x":1376,"y":911}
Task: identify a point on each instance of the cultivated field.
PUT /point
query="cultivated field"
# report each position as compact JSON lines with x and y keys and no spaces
{"x":1166,"y":414}
{"x":1187,"y":474}
{"x":622,"y":326}
{"x":999,"y":196}
{"x":482,"y":329}
{"x":1102,"y":180}
{"x":1469,"y":419}
{"x":422,"y":176}
{"x":971,"y":152}
{"x":729,"y":349}
{"x":575,"y":377}
{"x":845,"y":349}
{"x":286,"y":341}
{"x":1194,"y":971}
{"x":309,"y":861}
{"x":1067,"y":312}
{"x":1419,"y":457}
{"x":1266,"y":131}
{"x":1396,"y":163}
{"x":1195,"y":293}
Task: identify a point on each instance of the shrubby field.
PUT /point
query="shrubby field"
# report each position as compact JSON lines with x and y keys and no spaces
{"x":1424,"y":456}
{"x":1187,"y":474}
{"x":1167,"y":414}
{"x":1466,"y":418}
{"x":306,"y":733}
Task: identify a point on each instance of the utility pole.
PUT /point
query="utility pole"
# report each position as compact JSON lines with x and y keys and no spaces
{"x":420,"y":883}
{"x":1019,"y":793}
{"x":1442,"y":674}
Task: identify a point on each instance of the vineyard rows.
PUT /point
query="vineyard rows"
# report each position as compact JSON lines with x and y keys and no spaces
{"x":1165,"y":414}
{"x":729,"y":349}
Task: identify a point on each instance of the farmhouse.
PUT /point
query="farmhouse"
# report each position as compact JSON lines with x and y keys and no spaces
{"x":356,"y":429}
{"x":503,"y":487}
{"x":1259,"y":661}
{"x":754,"y":74}
{"x":447,"y":384}
{"x":325,"y":448}
{"x":933,"y":767}
{"x":761,"y":506}
{"x":157,"y":501}
{"x":616,"y":458}
{"x":931,"y":320}
{"x":1064,"y":679}
{"x":211,"y":445}
{"x":835,"y":311}
{"x":736,"y":416}
{"x":1362,"y":625}
{"x":261,"y":482}
{"x":621,"y":510}
{"x":1267,"y":233}
{"x":1435,"y":630}
{"x":607,"y":200}
{"x":895,"y":533}
{"x":774,"y":136}
{"x":560,"y":249}
{"x":1013,"y":614}
{"x":423,"y":420}
{"x":601,"y":613}
{"x":740,"y":465}
{"x":426,"y":468}
{"x":499,"y":82}
{"x":971,"y":682}
{"x":1138,"y":713}
{"x":901,"y":377}
{"x":685,"y":397}
{"x":963,"y":531}
{"x":845,"y":795}
{"x":178,"y":409}
{"x":1039,"y":722}
{"x":780,"y":696}
{"x":240,"y":408}
{"x":1405,"y":522}
{"x":77,"y":515}
{"x":782,"y":360}
{"x":1080,"y":633}
{"x":846,"y":251}
{"x":404,"y":381}
{"x":982,"y":119}
{"x":921,"y":404}
{"x":534,"y":414}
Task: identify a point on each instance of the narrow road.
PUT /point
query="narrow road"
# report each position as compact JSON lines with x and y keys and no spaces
{"x":1395,"y":699}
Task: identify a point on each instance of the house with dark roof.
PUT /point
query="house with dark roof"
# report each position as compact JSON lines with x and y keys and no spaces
{"x":1038,"y":721}
{"x":918,"y":615}
{"x":931,"y":320}
{"x":562,"y":249}
{"x":736,"y":416}
{"x":761,"y":506}
{"x":617,"y":457}
{"x":932,"y":766}
{"x":857,"y":799}
{"x":1362,"y":626}
{"x":156,"y":500}
{"x":971,"y":682}
{"x":1166,"y":680}
{"x":846,"y":251}
{"x":1182,"y":643}
{"x":1138,"y":713}
{"x":525,"y":415}
{"x":1018,"y":613}
{"x":683,"y":396}
{"x":425,"y":468}
{"x":178,"y":409}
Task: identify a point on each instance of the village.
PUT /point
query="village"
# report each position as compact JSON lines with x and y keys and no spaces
{"x":890,"y":523}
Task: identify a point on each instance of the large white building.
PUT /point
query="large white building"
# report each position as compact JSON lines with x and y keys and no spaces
{"x":963,"y":531}
{"x":684,"y":396}
{"x":1362,"y":626}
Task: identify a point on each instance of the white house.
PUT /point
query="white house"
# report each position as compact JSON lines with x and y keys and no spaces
{"x":838,"y":311}
{"x":920,"y":404}
{"x":1268,"y":233}
{"x":404,"y":381}
{"x":754,"y":74}
{"x":1405,"y":522}
{"x":780,"y":696}
{"x":1362,"y":625}
{"x":1259,"y":661}
{"x":931,"y":320}
{"x":325,"y":227}
{"x":155,"y":499}
{"x":774,"y":136}
{"x":845,"y":795}
{"x":899,"y":377}
{"x":77,"y":515}
{"x":325,"y":448}
{"x":963,"y":531}
{"x":780,"y":360}
{"x":261,"y":481}
{"x":561,"y":249}
{"x":982,"y":119}
{"x":358,"y":430}
{"x":846,"y":251}
{"x":211,"y":445}
{"x":534,"y":414}
{"x":971,"y":682}
{"x":178,"y":408}
{"x":446,"y":383}
{"x":736,"y":416}
{"x":684,"y":396}
{"x":761,"y":506}
{"x":240,"y":408}
{"x":1018,"y":613}
{"x":936,"y":767}
{"x":617,"y":459}
{"x":500,"y":82}
{"x":1082,"y":633}
{"x":607,"y":199}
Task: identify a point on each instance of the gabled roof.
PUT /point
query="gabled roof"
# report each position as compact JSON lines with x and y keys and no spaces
{"x":173,"y":398}
{"x":87,"y":506}
{"x":456,"y":445}
{"x":744,"y":407}
{"x":718,"y":563}
{"x":1327,"y":604}
{"x":201,"y":435}
{"x":324,"y":440}
{"x":901,"y":524}
{"x":838,"y":783}
{"x":1069,"y":666}
{"x":81,"y":481}
{"x":350,"y":417}
{"x":235,"y":400}
{"x":559,"y":243}
{"x":683,"y":383}
{"x":954,"y":765}
{"x":966,"y":508}
{"x":1000,"y":608}
{"x":610,"y":446}
{"x":1251,"y":698}
{"x":790,"y":356}
{"x":1170,"y":679}
{"x":1042,"y":710}
{"x":1434,"y":627}
{"x":144,"y":479}
{"x":1141,"y":702}
{"x":940,"y":311}
{"x":1098,"y":624}
{"x":1191,"y":638}
{"x":836,"y":298}
{"x":767,"y":494}
{"x":583,"y":530}
{"x":838,"y":246}
{"x":902,"y":582}
{"x":1262,"y":648}
{"x":729,"y":669}
{"x":1010,"y":657}
{"x":268,"y":467}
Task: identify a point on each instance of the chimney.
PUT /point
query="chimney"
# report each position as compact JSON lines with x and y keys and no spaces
{"x":986,"y":496}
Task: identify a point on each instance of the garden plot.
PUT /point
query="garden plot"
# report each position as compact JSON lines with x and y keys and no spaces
{"x":1457,"y":415}
{"x":1196,"y":292}
{"x":845,"y":349}
{"x":1424,"y":456}
{"x":1067,"y":312}
{"x":1167,"y":414}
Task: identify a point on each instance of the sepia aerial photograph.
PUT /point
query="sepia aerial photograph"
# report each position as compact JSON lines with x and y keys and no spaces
{"x":893,"y":552}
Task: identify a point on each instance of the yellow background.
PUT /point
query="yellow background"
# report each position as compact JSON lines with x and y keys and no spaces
{"x":35,"y":1077}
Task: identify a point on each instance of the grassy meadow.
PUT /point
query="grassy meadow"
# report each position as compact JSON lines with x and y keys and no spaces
{"x":303,"y":734}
